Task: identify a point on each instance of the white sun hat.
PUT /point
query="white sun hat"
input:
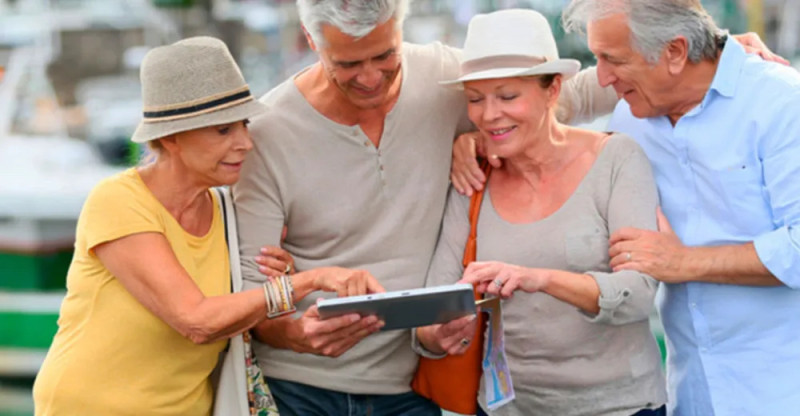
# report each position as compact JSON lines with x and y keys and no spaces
{"x":510,"y":43}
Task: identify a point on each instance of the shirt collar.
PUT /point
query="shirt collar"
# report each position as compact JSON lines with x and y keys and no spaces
{"x":729,"y":68}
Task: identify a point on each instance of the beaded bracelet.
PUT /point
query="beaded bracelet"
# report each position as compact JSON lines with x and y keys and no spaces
{"x":288,"y":293}
{"x":279,"y":295}
{"x":271,"y":305}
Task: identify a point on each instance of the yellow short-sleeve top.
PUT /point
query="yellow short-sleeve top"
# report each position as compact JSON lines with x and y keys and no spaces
{"x":111,"y":356}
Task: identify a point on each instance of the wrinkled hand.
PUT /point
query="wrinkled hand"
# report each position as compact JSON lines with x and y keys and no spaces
{"x":465,"y":172}
{"x":274,"y":261}
{"x":503,"y":279}
{"x":346,"y":282}
{"x":659,"y":254}
{"x":752,"y":43}
{"x":452,"y":338}
{"x":331,"y":337}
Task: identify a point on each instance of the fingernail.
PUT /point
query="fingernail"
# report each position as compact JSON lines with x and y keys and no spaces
{"x":264,"y":250}
{"x":472,"y":317}
{"x":495,"y":157}
{"x":354,"y":318}
{"x":258,"y":258}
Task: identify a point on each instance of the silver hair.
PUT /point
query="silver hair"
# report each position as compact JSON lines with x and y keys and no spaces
{"x":653,"y":24}
{"x":353,"y":17}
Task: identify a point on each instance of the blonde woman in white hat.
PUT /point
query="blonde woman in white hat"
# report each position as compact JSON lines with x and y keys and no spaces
{"x":148,"y":306}
{"x":577,"y":335}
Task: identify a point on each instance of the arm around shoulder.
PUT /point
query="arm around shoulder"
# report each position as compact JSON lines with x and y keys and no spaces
{"x":583,"y":99}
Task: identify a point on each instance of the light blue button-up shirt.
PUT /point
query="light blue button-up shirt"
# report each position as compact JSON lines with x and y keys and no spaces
{"x":728,"y":172}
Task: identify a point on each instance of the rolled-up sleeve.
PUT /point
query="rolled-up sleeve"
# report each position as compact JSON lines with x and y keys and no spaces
{"x":627,"y":296}
{"x":779,"y":250}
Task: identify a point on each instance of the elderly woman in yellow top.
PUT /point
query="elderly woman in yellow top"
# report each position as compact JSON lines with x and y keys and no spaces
{"x":148,"y":306}
{"x":577,"y":337}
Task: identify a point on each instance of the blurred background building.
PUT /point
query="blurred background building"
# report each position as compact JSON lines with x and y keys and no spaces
{"x":69,"y":101}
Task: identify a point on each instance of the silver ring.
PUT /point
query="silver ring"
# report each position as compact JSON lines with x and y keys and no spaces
{"x":628,"y":256}
{"x":465,"y":341}
{"x":498,"y":283}
{"x":288,"y":269}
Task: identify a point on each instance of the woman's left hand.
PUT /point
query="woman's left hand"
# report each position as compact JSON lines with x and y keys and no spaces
{"x":503,"y":279}
{"x":752,"y":43}
{"x":275,"y":262}
{"x":452,"y":337}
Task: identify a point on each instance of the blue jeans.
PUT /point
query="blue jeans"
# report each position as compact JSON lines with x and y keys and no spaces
{"x":295,"y":399}
{"x":661,"y":411}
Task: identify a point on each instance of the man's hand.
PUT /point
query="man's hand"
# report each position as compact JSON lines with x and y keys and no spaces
{"x":452,"y":338}
{"x":330,"y":337}
{"x":659,"y":254}
{"x":465,"y":173}
{"x":346,"y":282}
{"x":752,"y":43}
{"x":503,"y":279}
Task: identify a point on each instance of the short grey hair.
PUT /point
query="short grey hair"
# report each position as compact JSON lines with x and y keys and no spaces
{"x":653,"y":24}
{"x":353,"y":17}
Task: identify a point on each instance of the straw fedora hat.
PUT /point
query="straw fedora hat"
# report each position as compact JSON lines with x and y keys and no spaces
{"x":510,"y":43}
{"x":191,"y":84}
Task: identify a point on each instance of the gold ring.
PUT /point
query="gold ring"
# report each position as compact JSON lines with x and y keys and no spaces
{"x":288,"y":269}
{"x":465,"y":341}
{"x":628,"y":256}
{"x":498,"y":283}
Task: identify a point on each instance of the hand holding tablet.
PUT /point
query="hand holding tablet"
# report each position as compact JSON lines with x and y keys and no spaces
{"x":406,"y":308}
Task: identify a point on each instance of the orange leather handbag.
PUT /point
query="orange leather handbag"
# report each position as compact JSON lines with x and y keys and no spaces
{"x":453,"y":381}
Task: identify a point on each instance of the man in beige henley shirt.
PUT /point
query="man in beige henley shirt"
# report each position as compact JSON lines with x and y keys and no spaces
{"x":354,"y":157}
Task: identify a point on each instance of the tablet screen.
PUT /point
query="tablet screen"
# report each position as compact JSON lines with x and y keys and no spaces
{"x":406,"y":308}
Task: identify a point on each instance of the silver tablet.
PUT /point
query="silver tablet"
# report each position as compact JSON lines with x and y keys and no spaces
{"x":406,"y":308}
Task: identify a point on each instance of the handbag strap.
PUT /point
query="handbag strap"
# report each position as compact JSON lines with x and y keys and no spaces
{"x":231,"y":238}
{"x":471,"y":248}
{"x":259,"y":398}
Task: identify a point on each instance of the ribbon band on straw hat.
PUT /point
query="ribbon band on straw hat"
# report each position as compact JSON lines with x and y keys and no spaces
{"x":510,"y":43}
{"x":493,"y":62}
{"x":197,"y":107}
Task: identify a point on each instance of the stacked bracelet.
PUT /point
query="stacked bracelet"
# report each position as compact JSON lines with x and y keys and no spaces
{"x":279,"y":294}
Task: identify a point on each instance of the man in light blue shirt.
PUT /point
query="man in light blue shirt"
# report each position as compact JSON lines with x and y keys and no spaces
{"x":722,"y":130}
